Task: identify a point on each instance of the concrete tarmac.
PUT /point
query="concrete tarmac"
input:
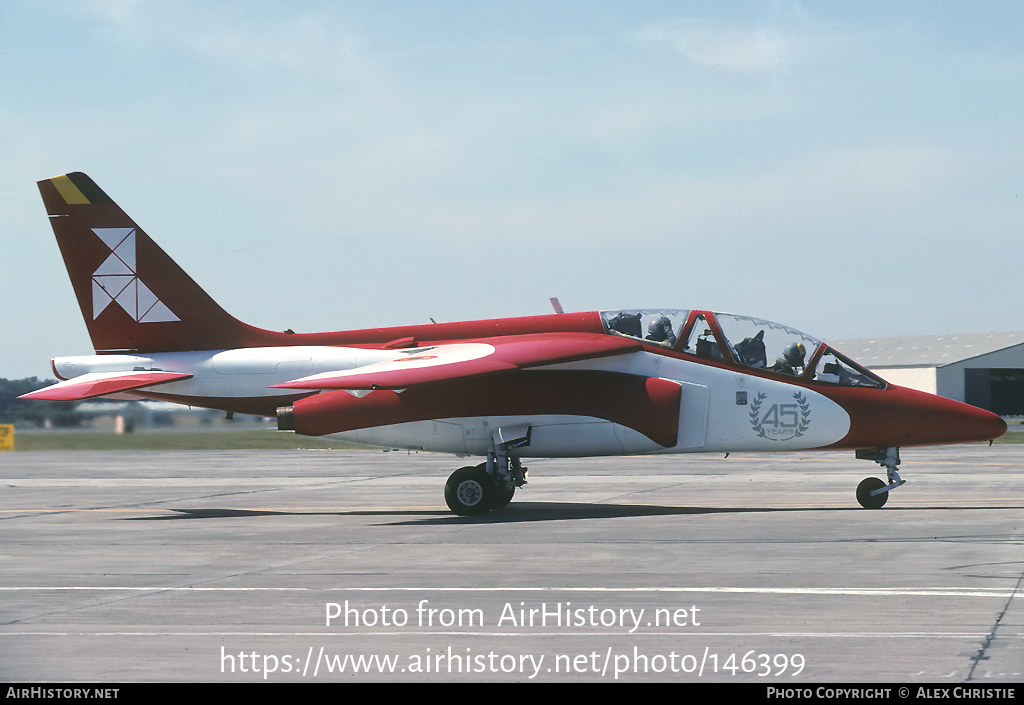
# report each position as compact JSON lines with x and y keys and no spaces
{"x":315,"y":566}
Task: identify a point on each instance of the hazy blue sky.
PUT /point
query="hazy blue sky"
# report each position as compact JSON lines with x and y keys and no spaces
{"x":847,"y":168}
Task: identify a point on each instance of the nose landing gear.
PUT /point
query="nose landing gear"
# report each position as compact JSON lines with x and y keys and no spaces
{"x":872,"y":493}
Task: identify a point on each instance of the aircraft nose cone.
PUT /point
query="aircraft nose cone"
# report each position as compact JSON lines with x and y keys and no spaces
{"x":906,"y":417}
{"x":976,"y":424}
{"x":992,"y":425}
{"x":937,"y":420}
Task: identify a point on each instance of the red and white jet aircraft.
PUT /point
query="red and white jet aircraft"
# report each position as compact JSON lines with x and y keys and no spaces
{"x":633,"y":382}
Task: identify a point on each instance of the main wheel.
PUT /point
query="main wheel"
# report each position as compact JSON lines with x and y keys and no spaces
{"x":864,"y":490}
{"x":469,"y":491}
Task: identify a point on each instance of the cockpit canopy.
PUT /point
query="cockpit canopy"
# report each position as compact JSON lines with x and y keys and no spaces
{"x":740,"y":341}
{"x":661,"y":327}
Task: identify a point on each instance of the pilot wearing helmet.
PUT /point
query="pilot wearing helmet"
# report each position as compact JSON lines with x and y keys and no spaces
{"x":792,"y":360}
{"x":660,"y":331}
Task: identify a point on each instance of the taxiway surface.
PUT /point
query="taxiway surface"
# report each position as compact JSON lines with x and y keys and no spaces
{"x":346,"y":565}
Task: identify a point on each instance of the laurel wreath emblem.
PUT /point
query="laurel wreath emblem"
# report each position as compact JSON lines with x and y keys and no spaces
{"x":755,"y":414}
{"x":802,"y":426}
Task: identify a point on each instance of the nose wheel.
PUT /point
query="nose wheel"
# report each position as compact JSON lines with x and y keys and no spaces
{"x":873,"y":493}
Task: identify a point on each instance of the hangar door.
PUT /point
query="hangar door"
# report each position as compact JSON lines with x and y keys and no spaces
{"x":1001,"y":391}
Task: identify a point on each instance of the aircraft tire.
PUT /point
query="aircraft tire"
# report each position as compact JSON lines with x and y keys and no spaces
{"x":469,"y":491}
{"x":864,"y":490}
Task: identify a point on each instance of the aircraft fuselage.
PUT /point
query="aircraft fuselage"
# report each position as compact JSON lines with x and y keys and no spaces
{"x":629,"y":381}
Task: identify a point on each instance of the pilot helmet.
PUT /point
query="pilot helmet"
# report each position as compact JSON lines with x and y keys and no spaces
{"x":794,"y":354}
{"x":660,"y":327}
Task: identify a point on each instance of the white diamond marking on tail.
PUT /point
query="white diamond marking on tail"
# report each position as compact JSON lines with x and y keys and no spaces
{"x":117,"y":281}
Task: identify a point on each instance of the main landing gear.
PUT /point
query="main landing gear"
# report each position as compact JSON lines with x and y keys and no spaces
{"x":872,"y":492}
{"x":477,"y":489}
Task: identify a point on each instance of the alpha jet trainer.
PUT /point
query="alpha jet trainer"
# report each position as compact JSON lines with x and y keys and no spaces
{"x":633,"y":381}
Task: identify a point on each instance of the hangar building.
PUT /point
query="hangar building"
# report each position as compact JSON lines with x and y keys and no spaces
{"x":983,"y":369}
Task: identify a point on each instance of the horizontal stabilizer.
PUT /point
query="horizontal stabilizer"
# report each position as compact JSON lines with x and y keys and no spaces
{"x":99,"y":384}
{"x":444,"y":363}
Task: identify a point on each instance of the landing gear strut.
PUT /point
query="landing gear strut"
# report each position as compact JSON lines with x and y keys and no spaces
{"x":475,"y":490}
{"x":872,"y":492}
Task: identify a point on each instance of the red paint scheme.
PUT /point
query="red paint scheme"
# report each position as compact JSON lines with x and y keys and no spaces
{"x":510,"y":353}
{"x":78,"y":388}
{"x":146,"y":304}
{"x":646,"y":404}
{"x":879,"y":417}
{"x":897,"y":416}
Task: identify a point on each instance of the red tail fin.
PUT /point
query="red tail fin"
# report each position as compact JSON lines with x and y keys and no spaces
{"x":132,"y":295}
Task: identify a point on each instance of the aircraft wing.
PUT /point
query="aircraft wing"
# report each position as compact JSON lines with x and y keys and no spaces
{"x":447,"y":362}
{"x":98,"y":384}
